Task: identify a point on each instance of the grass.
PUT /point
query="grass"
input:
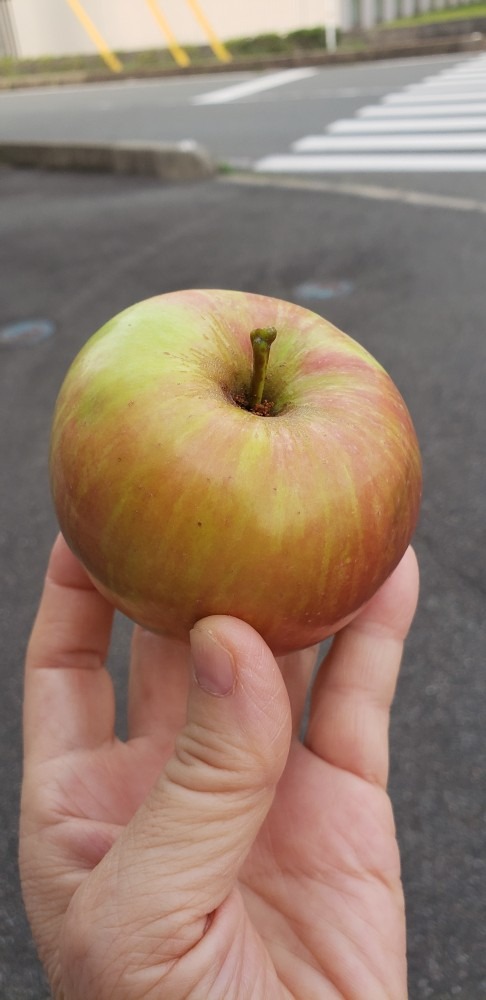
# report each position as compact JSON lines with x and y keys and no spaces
{"x":461,"y":13}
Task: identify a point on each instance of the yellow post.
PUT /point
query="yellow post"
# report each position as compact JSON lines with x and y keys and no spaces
{"x":181,"y":57}
{"x":220,"y":50}
{"x":109,"y":57}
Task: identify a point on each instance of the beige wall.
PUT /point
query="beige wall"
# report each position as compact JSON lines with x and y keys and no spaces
{"x":49,"y":27}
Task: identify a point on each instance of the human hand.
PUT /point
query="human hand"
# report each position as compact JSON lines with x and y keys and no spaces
{"x":212,"y":856}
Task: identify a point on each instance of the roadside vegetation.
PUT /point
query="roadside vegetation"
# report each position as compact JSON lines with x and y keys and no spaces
{"x":252,"y":49}
{"x":463,"y":13}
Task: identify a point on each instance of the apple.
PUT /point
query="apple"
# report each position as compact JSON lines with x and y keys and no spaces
{"x":197,"y":470}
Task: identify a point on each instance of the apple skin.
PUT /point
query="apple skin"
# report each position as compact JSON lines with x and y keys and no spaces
{"x":182,"y":504}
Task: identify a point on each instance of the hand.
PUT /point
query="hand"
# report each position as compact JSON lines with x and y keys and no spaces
{"x":213,"y":856}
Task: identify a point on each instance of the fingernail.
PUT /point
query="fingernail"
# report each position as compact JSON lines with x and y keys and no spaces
{"x":214,"y":667}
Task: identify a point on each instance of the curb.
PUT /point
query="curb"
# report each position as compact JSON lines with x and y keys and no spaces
{"x":184,"y":161}
{"x":397,"y":50}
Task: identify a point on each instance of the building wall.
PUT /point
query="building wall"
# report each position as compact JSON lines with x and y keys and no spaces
{"x":49,"y":27}
{"x":8,"y":40}
{"x":32,"y":28}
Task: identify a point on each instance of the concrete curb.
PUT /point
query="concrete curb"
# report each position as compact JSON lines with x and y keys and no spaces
{"x":374,"y":53}
{"x":184,"y":161}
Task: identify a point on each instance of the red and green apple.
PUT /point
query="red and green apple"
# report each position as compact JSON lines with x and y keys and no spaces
{"x":198,"y":470}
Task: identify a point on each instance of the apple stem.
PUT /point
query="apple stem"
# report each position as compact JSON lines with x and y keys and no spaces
{"x":261,"y":341}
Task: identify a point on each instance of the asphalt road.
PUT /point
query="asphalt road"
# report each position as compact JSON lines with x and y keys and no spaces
{"x":408,"y":282}
{"x":249,"y":124}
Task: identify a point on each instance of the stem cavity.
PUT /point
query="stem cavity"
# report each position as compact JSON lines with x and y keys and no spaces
{"x":261,"y":342}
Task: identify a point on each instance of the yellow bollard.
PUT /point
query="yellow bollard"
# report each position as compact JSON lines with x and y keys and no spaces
{"x":109,"y":57}
{"x":181,"y":57}
{"x":220,"y":50}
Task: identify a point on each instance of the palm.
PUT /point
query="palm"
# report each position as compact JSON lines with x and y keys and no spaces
{"x":323,"y":878}
{"x":325,"y":858}
{"x":318,"y":910}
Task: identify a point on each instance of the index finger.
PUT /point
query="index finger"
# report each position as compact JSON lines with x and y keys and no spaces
{"x":69,"y":700}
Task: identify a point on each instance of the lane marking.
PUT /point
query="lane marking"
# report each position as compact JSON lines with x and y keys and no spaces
{"x":346,"y":143}
{"x":456,"y":78}
{"x":428,"y":96}
{"x":369,"y":162}
{"x":456,"y":107}
{"x":366,"y":191}
{"x":265,"y":81}
{"x":467,"y":67}
{"x":368,"y":125}
{"x":398,"y":143}
{"x":460,"y":86}
{"x":461,"y":72}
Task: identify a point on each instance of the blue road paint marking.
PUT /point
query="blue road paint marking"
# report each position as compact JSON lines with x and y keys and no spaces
{"x":29,"y":331}
{"x":330,"y":290}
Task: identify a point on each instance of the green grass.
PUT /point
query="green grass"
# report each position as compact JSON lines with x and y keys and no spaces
{"x":434,"y":16}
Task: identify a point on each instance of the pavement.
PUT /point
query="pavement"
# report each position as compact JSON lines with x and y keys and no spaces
{"x":306,"y":121}
{"x":407,"y":281}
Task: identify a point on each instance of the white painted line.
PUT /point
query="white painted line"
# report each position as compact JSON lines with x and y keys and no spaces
{"x":458,"y":124}
{"x":462,"y":78}
{"x":468,"y":84}
{"x":463,"y":71}
{"x":368,"y":163}
{"x":342,"y":143}
{"x":373,"y":191}
{"x":396,"y":111}
{"x":464,"y":67}
{"x":427,"y":97}
{"x":456,"y":83}
{"x":460,"y":86}
{"x":265,"y":81}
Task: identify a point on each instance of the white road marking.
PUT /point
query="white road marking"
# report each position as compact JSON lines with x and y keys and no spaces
{"x":265,"y":81}
{"x":369,"y":125}
{"x":461,"y":72}
{"x":459,"y":86}
{"x":346,"y":143}
{"x":385,"y":111}
{"x":398,"y":136}
{"x":372,"y":191}
{"x":385,"y":163}
{"x":456,"y":78}
{"x":469,"y":67}
{"x":424,"y":97}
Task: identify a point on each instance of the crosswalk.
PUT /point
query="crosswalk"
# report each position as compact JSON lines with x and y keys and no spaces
{"x":436,"y":125}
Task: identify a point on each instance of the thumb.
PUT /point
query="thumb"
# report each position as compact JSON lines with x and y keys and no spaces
{"x":178,"y":859}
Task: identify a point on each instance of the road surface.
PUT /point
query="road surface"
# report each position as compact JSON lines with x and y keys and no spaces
{"x":407,"y":280}
{"x":409,"y":123}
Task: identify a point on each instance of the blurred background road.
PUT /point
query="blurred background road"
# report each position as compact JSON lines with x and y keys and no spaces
{"x":423,"y":120}
{"x":407,"y":280}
